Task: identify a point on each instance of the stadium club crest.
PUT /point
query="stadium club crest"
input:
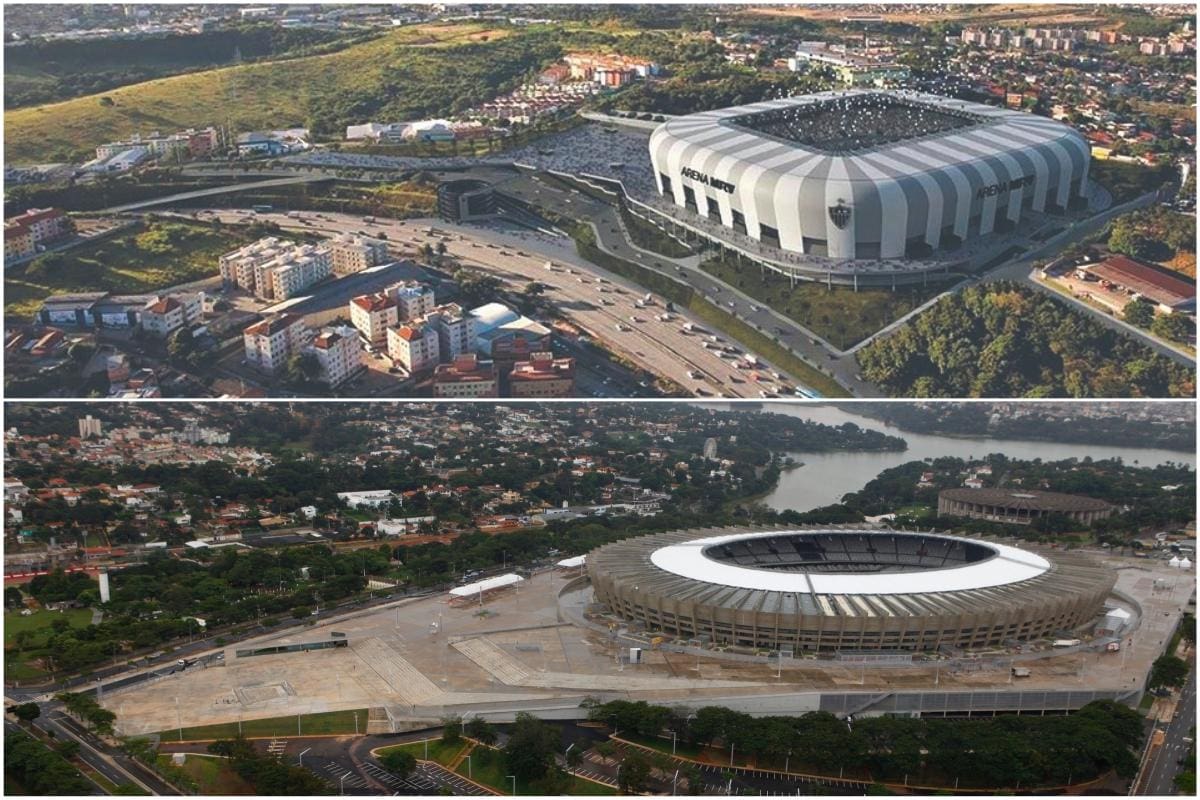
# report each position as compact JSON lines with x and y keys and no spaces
{"x":840,"y":215}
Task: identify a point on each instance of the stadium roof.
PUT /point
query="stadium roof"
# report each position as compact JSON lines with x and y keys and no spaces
{"x":689,"y":559}
{"x":833,"y":126}
{"x":567,"y":563}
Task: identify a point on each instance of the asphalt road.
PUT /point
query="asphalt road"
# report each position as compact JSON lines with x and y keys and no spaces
{"x":1162,"y":764}
{"x":612,"y":237}
{"x":593,"y":298}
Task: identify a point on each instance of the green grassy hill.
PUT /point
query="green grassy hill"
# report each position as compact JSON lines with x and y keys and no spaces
{"x":414,"y":71}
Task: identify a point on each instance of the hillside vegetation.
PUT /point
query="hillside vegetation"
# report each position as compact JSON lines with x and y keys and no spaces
{"x":412,"y":72}
{"x":48,"y":71}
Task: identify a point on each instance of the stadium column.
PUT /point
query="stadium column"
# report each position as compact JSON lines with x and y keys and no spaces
{"x":839,"y":191}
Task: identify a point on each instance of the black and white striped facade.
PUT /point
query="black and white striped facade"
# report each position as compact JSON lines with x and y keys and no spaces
{"x":885,"y":202}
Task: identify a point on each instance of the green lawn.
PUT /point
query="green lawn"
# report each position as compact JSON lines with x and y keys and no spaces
{"x":326,"y":723}
{"x":213,"y":776}
{"x":664,"y":745}
{"x":143,"y":259}
{"x":840,"y":315}
{"x":438,"y":751}
{"x":40,"y":621}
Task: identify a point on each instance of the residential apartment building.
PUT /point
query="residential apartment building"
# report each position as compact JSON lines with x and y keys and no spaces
{"x":354,"y":253}
{"x":270,"y":343}
{"x":413,"y":299}
{"x":542,"y":375}
{"x":276,"y":269}
{"x":413,"y":346}
{"x":339,"y":355}
{"x":162,"y":315}
{"x":25,"y":233}
{"x":455,"y":330}
{"x":89,"y":427}
{"x":372,"y":315}
{"x":466,"y":376}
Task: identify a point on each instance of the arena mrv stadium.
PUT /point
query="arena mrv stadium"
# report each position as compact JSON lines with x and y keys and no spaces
{"x":844,"y":588}
{"x":861,"y":175}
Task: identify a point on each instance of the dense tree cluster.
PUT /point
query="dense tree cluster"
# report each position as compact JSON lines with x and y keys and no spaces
{"x":1153,"y":234}
{"x":970,"y":419}
{"x":1003,"y":340}
{"x":268,"y":774}
{"x":39,"y":770}
{"x":998,"y":752}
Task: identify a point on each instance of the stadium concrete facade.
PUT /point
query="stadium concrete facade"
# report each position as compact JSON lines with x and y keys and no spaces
{"x":1020,"y":507}
{"x":844,"y":589}
{"x":868,"y":175}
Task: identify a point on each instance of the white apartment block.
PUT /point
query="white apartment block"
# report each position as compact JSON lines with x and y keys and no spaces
{"x":88,"y":426}
{"x":414,"y":347}
{"x":354,"y":253}
{"x":455,"y":328}
{"x":270,"y":343}
{"x":162,"y":315}
{"x":339,"y":355}
{"x":413,"y":299}
{"x":276,"y":269}
{"x":372,"y":315}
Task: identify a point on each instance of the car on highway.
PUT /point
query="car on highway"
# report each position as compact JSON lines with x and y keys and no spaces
{"x":622,"y":327}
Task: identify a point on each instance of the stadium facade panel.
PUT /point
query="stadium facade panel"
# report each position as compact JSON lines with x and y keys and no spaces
{"x":867,"y":175}
{"x":844,"y":588}
{"x":1020,"y":507}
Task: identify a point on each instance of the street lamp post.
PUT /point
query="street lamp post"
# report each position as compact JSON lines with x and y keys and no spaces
{"x":302,"y":752}
{"x":513,"y":778}
{"x":470,"y":774}
{"x":342,"y":783}
{"x":567,"y":757}
{"x":731,"y":754}
{"x":674,"y":782}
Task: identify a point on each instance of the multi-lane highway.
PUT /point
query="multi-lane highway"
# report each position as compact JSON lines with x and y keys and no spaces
{"x":1162,"y":759}
{"x":609,"y":307}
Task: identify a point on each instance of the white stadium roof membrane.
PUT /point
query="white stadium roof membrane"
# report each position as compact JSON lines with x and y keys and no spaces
{"x":1008,"y":565}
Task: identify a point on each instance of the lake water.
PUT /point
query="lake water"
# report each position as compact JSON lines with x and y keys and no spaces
{"x":825,"y":477}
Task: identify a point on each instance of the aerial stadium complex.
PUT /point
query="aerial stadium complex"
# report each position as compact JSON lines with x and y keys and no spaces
{"x":844,"y":589}
{"x":1020,"y":507}
{"x":868,"y":175}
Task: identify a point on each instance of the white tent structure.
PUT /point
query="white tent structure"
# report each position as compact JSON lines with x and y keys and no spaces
{"x":576,"y":562}
{"x":461,"y":595}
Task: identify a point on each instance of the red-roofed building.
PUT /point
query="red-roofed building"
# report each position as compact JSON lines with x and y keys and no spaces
{"x":542,"y":375}
{"x":270,"y":343}
{"x":414,"y":347}
{"x":372,"y":315}
{"x":339,"y":355}
{"x":25,"y":233}
{"x":162,"y":316}
{"x":1169,"y":291}
{"x":466,"y":376}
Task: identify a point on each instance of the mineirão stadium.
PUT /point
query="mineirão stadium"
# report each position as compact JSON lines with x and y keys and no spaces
{"x":844,"y":588}
{"x":862,"y":175}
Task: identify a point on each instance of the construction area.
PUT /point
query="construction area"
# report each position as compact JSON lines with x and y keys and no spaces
{"x":538,"y":646}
